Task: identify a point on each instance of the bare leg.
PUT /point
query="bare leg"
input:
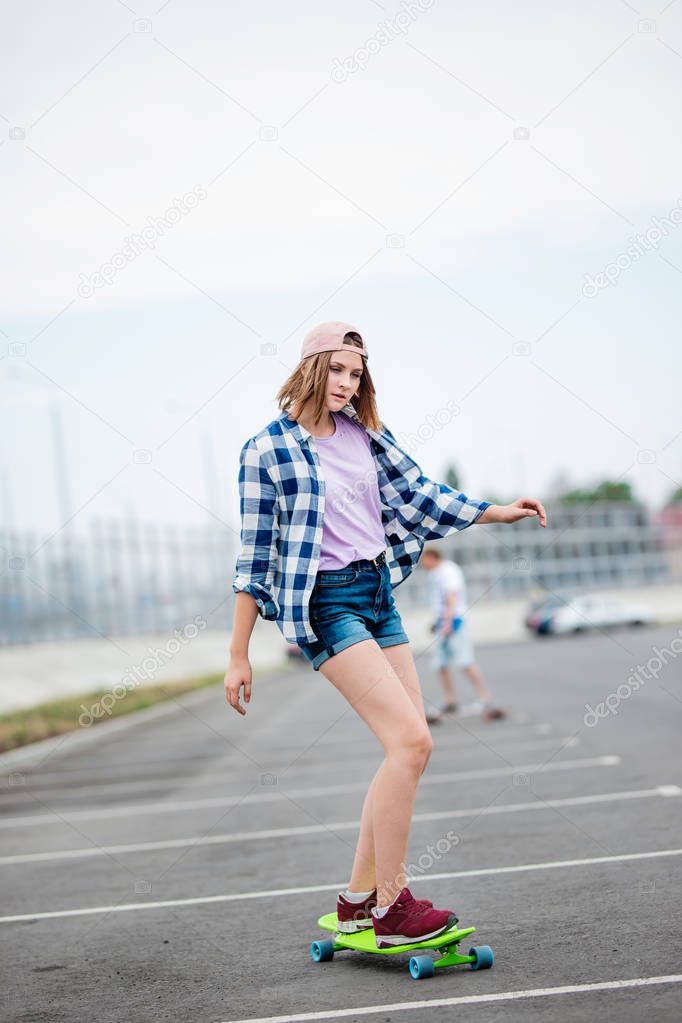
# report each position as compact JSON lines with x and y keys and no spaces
{"x":448,"y":684}
{"x":365,"y":677}
{"x":363,"y":876}
{"x":478,"y":682}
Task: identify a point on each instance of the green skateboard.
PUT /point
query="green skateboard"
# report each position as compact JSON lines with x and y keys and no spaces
{"x":421,"y":966}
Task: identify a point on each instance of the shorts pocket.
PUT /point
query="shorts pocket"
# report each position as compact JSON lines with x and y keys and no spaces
{"x":336,"y":577}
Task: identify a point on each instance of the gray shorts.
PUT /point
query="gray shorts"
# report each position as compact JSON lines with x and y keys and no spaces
{"x":455,"y":648}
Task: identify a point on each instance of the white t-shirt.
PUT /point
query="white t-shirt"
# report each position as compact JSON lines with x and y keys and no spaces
{"x":448,"y":578}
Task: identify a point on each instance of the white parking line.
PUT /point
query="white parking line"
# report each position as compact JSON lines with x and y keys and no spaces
{"x":313,"y":829}
{"x":65,"y":816}
{"x":274,"y":893}
{"x":520,"y":745}
{"x":439,"y":1003}
{"x":59,"y":745}
{"x":501,"y":744}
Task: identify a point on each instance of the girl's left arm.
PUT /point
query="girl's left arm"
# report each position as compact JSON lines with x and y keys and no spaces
{"x":433,"y":510}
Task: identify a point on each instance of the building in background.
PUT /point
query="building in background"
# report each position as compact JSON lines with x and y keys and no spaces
{"x":602,"y":544}
{"x":126,"y":577}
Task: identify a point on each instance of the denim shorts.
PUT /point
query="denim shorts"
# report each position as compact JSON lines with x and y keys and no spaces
{"x":350,"y":604}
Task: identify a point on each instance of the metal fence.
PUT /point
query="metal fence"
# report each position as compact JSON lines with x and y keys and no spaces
{"x":125,"y":577}
{"x":121,"y":577}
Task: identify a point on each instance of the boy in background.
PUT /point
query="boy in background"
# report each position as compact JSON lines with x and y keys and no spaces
{"x":449,"y":600}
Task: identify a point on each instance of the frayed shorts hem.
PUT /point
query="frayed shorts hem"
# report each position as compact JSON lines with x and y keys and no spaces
{"x":318,"y":660}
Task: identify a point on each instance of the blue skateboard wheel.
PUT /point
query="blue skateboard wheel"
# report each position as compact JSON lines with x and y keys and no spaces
{"x":484,"y":957}
{"x":421,"y":967}
{"x":322,"y":951}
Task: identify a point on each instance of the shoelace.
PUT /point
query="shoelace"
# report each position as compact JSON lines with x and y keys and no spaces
{"x":416,"y":907}
{"x":424,"y":902}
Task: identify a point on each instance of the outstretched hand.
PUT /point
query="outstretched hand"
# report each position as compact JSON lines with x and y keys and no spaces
{"x":521,"y":509}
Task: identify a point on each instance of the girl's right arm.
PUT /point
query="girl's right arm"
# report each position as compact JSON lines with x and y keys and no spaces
{"x":255,"y":568}
{"x":238,"y":672}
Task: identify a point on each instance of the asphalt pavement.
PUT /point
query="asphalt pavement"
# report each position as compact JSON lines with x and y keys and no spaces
{"x":175,"y":869}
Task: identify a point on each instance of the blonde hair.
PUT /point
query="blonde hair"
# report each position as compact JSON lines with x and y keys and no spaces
{"x":308,"y":382}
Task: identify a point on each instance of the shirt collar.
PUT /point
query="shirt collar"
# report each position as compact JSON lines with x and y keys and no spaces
{"x":301,"y":433}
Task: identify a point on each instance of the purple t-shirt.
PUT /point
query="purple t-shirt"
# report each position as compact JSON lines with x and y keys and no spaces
{"x":352,"y":526}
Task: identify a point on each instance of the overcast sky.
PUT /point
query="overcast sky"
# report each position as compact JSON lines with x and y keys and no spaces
{"x":451,"y":181}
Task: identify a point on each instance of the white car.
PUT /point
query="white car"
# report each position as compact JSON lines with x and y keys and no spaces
{"x":587,"y":611}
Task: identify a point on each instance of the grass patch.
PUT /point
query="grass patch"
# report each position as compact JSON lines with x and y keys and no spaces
{"x":21,"y":727}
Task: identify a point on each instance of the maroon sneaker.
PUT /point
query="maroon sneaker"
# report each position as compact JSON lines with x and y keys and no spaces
{"x":354,"y":916}
{"x":410,"y":920}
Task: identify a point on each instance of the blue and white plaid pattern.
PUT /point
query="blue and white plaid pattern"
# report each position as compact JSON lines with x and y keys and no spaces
{"x":281,"y":492}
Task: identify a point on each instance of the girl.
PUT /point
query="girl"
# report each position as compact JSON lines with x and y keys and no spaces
{"x":334,"y":516}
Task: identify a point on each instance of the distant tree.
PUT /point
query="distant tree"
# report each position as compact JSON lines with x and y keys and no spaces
{"x":576,"y":497}
{"x":675,"y":497}
{"x":607,"y":490}
{"x":452,"y":477}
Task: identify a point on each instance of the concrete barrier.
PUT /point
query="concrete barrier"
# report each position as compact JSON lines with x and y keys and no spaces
{"x":36,"y":673}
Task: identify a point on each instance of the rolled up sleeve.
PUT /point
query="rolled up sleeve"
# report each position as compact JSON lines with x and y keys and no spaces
{"x":443,"y":510}
{"x":426,"y":509}
{"x":257,"y":562}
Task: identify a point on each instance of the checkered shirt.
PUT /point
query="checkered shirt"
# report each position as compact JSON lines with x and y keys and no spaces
{"x":282,"y":495}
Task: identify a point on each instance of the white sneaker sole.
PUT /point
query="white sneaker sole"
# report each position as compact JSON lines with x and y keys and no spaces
{"x":388,"y":940}
{"x":351,"y":926}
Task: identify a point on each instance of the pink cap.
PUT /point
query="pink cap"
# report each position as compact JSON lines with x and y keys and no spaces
{"x":328,"y":337}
